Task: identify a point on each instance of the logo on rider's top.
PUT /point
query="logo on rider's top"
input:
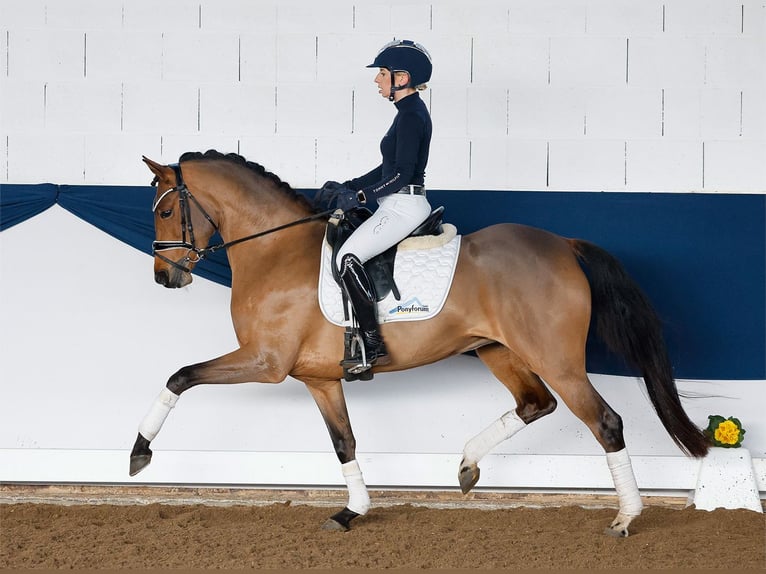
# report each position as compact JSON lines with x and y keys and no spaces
{"x":409,"y":307}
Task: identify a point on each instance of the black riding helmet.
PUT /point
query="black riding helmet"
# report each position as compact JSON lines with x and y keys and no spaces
{"x":404,"y":56}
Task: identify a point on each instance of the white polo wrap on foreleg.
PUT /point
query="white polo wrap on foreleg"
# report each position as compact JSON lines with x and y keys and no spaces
{"x":160,"y":410}
{"x":502,"y":429}
{"x":358,"y":497}
{"x":625,"y":482}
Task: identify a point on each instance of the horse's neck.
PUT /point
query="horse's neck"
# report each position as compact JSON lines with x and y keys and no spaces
{"x":278,"y":252}
{"x":251,"y":211}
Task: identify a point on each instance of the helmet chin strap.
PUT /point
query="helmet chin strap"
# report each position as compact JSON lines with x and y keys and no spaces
{"x":395,"y":88}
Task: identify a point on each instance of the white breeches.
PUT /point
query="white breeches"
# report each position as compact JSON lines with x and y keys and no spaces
{"x":397,"y":216}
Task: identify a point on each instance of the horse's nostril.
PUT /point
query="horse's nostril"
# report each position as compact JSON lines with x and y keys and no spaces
{"x":162,"y":278}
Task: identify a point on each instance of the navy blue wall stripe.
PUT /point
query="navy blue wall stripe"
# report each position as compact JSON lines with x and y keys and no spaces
{"x":701,"y":258}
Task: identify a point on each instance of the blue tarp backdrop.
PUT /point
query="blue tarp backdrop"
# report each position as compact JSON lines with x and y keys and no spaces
{"x":701,"y":258}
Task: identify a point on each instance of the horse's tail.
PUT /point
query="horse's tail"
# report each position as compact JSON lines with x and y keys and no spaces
{"x":630,"y":327}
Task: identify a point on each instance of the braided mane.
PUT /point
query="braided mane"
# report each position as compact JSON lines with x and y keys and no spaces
{"x":257,"y":168}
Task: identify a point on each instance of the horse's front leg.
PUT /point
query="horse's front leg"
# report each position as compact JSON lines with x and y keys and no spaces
{"x":240,"y":366}
{"x":332,"y":404}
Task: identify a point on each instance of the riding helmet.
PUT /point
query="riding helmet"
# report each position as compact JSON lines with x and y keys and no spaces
{"x":405,"y":56}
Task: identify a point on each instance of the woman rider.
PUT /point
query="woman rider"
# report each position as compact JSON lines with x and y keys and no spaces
{"x":396,"y":184}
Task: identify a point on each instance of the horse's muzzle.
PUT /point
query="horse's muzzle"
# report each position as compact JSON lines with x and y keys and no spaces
{"x":162,"y":277}
{"x":171,"y":280}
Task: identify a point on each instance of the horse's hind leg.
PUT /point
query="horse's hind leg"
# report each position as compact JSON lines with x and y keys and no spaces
{"x":533,"y":400}
{"x":606,"y":425}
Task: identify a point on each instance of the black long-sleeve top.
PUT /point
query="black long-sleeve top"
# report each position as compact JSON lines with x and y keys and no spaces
{"x":405,"y":151}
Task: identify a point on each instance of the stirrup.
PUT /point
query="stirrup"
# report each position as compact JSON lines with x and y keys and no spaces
{"x":357,"y":362}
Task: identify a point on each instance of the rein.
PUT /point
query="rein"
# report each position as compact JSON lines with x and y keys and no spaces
{"x":185,"y":197}
{"x":313,"y":217}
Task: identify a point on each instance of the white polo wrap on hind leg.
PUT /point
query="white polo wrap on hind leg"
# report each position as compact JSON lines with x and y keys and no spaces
{"x":625,"y":482}
{"x":160,"y":410}
{"x":358,"y":497}
{"x":502,"y":429}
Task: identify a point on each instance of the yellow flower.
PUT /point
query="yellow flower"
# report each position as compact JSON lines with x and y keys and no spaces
{"x":727,"y":433}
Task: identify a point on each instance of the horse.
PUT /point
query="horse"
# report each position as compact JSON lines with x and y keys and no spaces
{"x":531,"y":302}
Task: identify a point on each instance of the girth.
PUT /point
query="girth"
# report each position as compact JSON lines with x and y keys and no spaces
{"x":380,"y":268}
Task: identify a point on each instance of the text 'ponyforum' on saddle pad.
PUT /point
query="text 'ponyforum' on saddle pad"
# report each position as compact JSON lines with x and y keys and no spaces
{"x":423,"y":272}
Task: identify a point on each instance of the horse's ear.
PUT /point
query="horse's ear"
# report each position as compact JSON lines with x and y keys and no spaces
{"x":161,"y":171}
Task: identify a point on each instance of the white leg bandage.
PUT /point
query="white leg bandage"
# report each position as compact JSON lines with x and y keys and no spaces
{"x":502,"y":429}
{"x":624,"y":482}
{"x":358,"y":497}
{"x":153,"y":420}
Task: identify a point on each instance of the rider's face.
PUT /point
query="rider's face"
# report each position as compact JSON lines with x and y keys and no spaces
{"x":383,"y":80}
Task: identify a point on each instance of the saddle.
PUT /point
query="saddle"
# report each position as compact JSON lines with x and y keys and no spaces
{"x":380,"y":268}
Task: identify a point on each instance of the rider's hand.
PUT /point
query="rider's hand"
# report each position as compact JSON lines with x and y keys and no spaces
{"x":330,"y":186}
{"x":348,"y":199}
{"x":328,"y":192}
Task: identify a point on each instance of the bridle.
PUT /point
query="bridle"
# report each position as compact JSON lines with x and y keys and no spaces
{"x":185,"y":198}
{"x":195,"y":254}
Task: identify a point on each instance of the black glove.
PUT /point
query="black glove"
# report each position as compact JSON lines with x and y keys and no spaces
{"x":328,"y":192}
{"x":347,"y":199}
{"x":330,"y":186}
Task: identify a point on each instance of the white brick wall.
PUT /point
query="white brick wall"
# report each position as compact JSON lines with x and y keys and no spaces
{"x":546,"y":112}
{"x":634,"y":113}
{"x":587,"y":61}
{"x":511,"y":61}
{"x":123,"y":55}
{"x":200,"y":57}
{"x":665,"y":95}
{"x":44,"y":55}
{"x":257,"y":56}
{"x":84,"y":14}
{"x":324,"y":109}
{"x":160,"y":16}
{"x":237,"y":109}
{"x":664,"y":164}
{"x":624,"y":18}
{"x":173,"y":109}
{"x":82,"y":107}
{"x":666,"y":61}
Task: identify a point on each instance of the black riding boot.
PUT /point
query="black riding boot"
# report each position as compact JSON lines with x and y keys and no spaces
{"x":360,"y":292}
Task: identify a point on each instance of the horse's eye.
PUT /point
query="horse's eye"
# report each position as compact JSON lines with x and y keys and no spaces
{"x":165,"y":214}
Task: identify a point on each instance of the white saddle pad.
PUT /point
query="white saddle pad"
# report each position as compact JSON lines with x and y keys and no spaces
{"x":423,"y":272}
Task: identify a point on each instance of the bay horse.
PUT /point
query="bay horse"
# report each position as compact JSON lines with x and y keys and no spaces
{"x":531,"y":305}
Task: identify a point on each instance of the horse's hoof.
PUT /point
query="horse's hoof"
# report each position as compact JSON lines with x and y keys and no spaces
{"x":334,"y":526}
{"x":619,"y":526}
{"x":468,"y":477}
{"x":340,"y":521}
{"x":616,"y":532}
{"x":140,"y":456}
{"x":139,"y":463}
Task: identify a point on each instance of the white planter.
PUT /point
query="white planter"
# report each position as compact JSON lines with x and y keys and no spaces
{"x":726,"y":480}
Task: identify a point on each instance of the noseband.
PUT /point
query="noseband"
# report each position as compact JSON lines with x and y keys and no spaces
{"x":195,"y":254}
